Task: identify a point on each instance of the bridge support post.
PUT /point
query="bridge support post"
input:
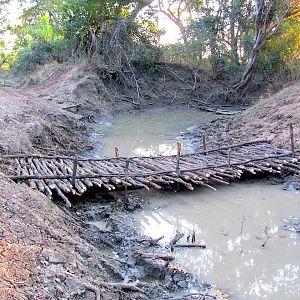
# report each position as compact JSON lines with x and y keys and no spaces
{"x":116,"y":151}
{"x":204,"y":143}
{"x":229,"y":158}
{"x":126,"y":175}
{"x":179,"y":145}
{"x":292,"y":140}
{"x":74,"y":170}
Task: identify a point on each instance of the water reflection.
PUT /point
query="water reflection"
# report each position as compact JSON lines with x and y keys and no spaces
{"x":147,"y":133}
{"x":260,"y":261}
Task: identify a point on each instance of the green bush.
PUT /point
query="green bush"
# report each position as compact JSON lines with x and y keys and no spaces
{"x":39,"y":53}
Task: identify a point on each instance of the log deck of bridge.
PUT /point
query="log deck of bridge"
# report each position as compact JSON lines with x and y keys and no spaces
{"x":66,"y":176}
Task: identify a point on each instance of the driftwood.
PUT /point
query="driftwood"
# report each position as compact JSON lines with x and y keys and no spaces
{"x":178,"y":235}
{"x":166,"y":257}
{"x":72,"y":106}
{"x":94,"y":290}
{"x":123,"y":286}
{"x":190,"y":245}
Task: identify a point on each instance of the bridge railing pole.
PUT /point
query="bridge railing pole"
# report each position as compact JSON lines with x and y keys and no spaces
{"x":292,"y":140}
{"x":229,"y":158}
{"x":204,"y":143}
{"x":75,"y":164}
{"x":116,"y":152}
{"x":126,"y":175}
{"x":179,"y":146}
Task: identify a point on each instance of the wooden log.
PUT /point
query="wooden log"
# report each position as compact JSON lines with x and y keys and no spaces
{"x":142,"y":182}
{"x":75,"y":165}
{"x":19,"y":168}
{"x":178,"y":235}
{"x":126,"y":184}
{"x":190,"y":245}
{"x":166,"y":257}
{"x":87,"y":183}
{"x":48,"y":191}
{"x":155,"y":241}
{"x":115,"y":181}
{"x":64,"y":197}
{"x":193,"y":175}
{"x":179,"y":145}
{"x":207,"y":185}
{"x":218,"y":180}
{"x":204,"y":143}
{"x":97,"y":182}
{"x":292,"y":140}
{"x":225,"y":174}
{"x":40,"y":185}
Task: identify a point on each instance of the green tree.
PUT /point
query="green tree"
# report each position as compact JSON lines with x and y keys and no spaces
{"x":269,"y":16}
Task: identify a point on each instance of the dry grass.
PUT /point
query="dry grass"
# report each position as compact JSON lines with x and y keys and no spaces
{"x":270,"y":118}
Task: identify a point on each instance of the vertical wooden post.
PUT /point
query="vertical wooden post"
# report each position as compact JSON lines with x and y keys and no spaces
{"x":178,"y":162}
{"x":74,"y":170}
{"x":116,"y":151}
{"x":292,"y":140}
{"x":179,"y":145}
{"x":229,"y":158}
{"x":204,"y":143}
{"x":126,"y":175}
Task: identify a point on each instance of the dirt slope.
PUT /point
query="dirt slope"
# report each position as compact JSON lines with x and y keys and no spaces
{"x":268,"y":119}
{"x":41,"y":253}
{"x":26,"y":125}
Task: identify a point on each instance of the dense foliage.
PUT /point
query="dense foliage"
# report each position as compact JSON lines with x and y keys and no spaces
{"x":229,"y":38}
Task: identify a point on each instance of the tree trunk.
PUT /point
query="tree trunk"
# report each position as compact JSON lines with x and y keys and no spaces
{"x":267,"y":22}
{"x":243,"y":84}
{"x":234,"y":43}
{"x":214,"y":57}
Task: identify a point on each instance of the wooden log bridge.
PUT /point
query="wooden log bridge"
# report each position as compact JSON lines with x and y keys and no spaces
{"x":70,"y":176}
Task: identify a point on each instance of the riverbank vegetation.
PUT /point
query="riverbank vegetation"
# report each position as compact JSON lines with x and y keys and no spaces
{"x":230,"y":40}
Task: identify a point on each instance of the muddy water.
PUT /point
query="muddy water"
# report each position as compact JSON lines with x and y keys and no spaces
{"x":148,"y":133}
{"x":233,"y":222}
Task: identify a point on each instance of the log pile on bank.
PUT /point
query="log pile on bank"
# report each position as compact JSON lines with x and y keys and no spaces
{"x":66,"y":177}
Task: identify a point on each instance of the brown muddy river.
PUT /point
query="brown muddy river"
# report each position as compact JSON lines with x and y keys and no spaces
{"x":148,"y":133}
{"x":234,"y":222}
{"x":234,"y":261}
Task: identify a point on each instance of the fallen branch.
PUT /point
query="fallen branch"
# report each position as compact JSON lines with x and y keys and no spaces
{"x":176,"y":238}
{"x":93,"y":289}
{"x":188,"y":245}
{"x":165,"y":257}
{"x":124,"y":286}
{"x":72,"y":106}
